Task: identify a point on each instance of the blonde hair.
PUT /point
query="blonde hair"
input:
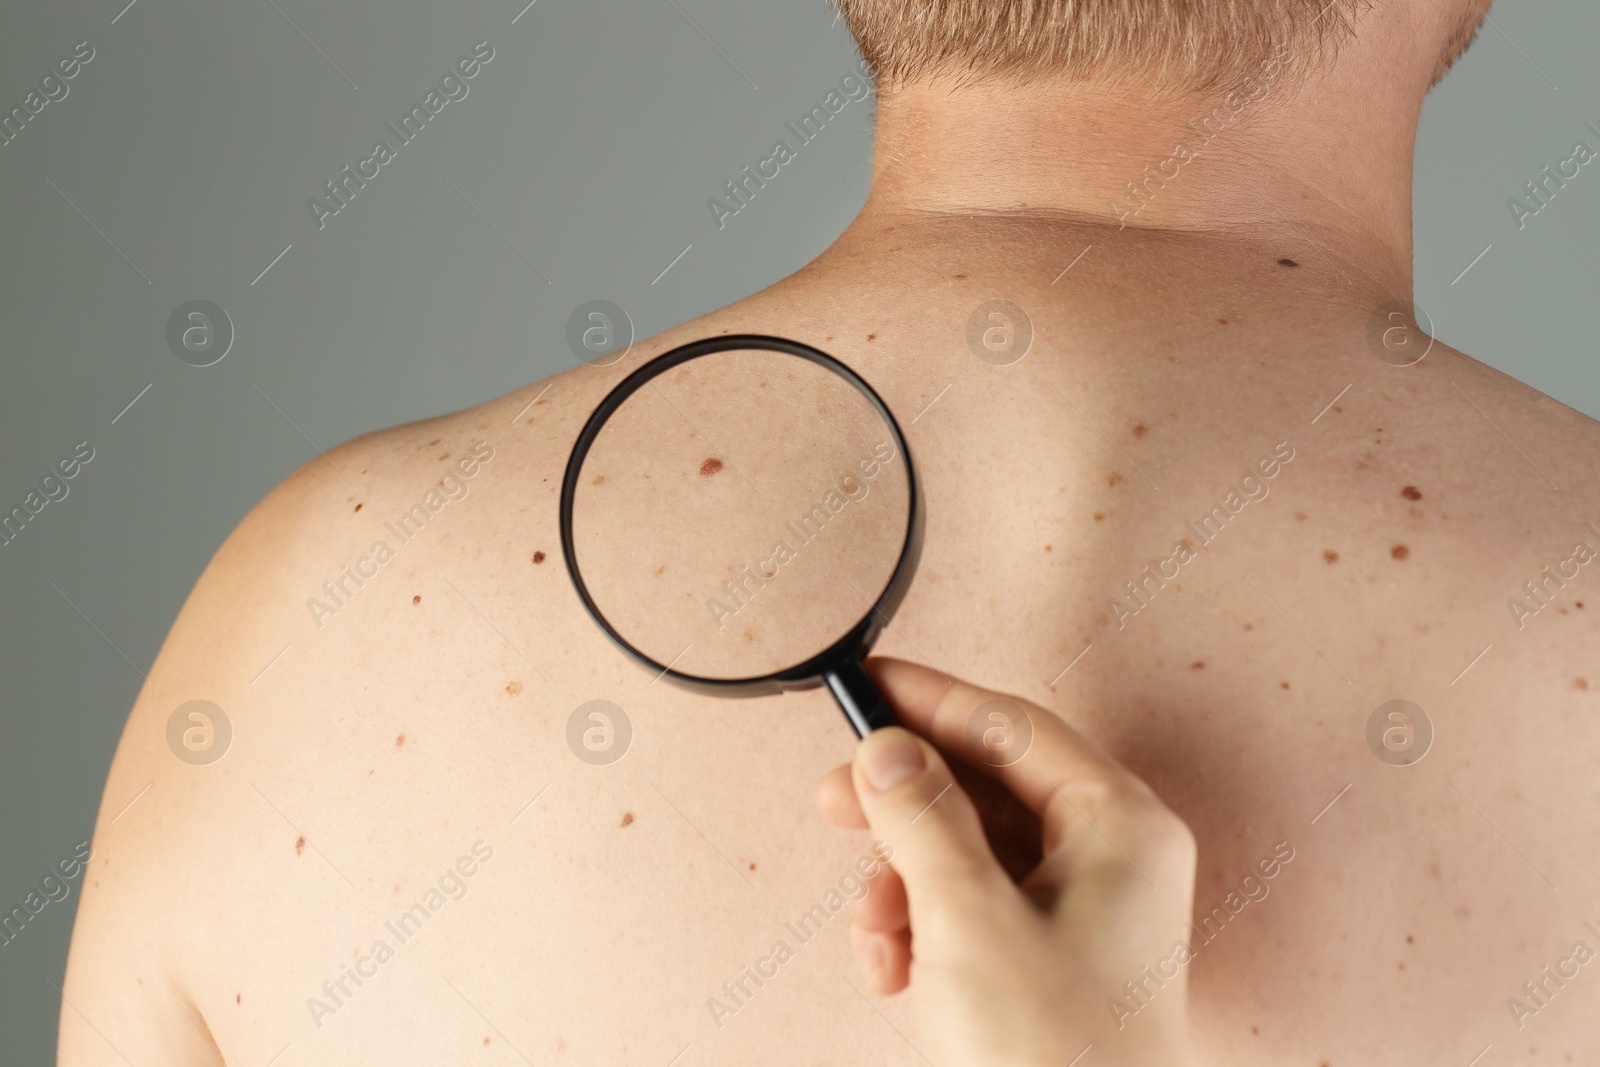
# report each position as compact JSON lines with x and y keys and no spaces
{"x":1187,"y":44}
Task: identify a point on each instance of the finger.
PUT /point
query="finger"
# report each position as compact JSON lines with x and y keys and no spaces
{"x":912,"y":801}
{"x":883,"y":908}
{"x":836,"y":799}
{"x":1012,"y":829}
{"x":1095,"y":813}
{"x":1056,"y":756}
{"x":884,"y":959}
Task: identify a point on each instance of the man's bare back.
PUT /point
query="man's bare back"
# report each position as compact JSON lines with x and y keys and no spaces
{"x":402,"y":775}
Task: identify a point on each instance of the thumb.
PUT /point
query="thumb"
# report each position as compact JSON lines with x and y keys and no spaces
{"x":912,"y":801}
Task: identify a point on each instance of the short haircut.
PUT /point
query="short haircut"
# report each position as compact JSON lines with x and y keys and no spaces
{"x":1188,"y":44}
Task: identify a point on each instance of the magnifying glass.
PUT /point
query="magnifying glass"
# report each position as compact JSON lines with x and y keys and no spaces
{"x":740,"y":515}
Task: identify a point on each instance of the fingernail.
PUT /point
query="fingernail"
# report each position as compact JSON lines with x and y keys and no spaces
{"x":891,"y":757}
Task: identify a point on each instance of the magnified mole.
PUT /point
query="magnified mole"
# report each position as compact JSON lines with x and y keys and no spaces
{"x":710,"y":467}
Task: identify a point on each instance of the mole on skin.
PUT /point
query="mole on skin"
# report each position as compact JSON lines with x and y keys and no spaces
{"x":1287,"y":263}
{"x":1411,"y":492}
{"x":710,"y":467}
{"x":538,"y":557}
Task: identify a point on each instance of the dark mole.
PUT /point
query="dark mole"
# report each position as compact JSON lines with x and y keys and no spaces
{"x":1198,"y":665}
{"x":627,"y":818}
{"x":358,"y":507}
{"x":752,"y":866}
{"x":1410,"y":940}
{"x":400,"y":741}
{"x":1411,"y":492}
{"x":1283,"y":685}
{"x":1140,"y":430}
{"x":299,"y":845}
{"x":1399,"y":552}
{"x":1222,"y":322}
{"x":1330,"y":555}
{"x":538,"y":557}
{"x":872,"y":337}
{"x":1291,"y":264}
{"x":961,"y":277}
{"x":710,"y":467}
{"x":417,"y":599}
{"x":1579,"y":605}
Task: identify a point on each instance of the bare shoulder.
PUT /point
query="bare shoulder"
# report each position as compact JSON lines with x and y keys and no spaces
{"x":317,"y":629}
{"x":213,"y":730}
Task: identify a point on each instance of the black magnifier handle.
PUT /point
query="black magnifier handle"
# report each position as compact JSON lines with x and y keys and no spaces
{"x":859,"y":697}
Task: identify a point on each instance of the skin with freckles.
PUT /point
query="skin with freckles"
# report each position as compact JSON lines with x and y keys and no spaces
{"x":586,"y":941}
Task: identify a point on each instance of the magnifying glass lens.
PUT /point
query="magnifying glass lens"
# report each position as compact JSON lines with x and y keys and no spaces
{"x":739,"y":512}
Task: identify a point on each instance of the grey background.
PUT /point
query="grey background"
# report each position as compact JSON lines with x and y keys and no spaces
{"x":194,"y":138}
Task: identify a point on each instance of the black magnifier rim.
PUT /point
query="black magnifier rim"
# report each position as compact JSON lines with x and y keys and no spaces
{"x":855,"y":642}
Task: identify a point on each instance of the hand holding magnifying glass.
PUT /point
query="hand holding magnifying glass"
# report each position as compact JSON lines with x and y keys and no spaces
{"x":1023,"y":894}
{"x":741,"y":516}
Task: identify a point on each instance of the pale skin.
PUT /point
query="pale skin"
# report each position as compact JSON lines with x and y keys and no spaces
{"x":1172,"y":357}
